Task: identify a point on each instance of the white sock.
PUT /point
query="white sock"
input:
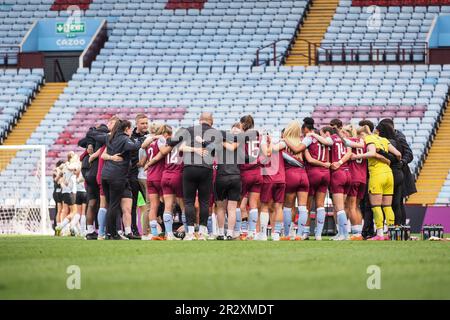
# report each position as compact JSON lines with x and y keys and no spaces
{"x":203,"y":230}
{"x":230,"y":233}
{"x":83,"y":223}
{"x":356,"y":229}
{"x":127,"y":230}
{"x":75,"y":220}
{"x":90,"y":228}
{"x":191,"y":229}
{"x":221,"y":231}
{"x":380,"y":232}
{"x":263,"y":222}
{"x":65,"y":223}
{"x":214,"y":223}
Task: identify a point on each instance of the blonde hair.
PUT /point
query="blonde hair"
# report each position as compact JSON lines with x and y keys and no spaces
{"x":364,"y":129}
{"x":155,"y":127}
{"x":293,"y":133}
{"x":350,"y":129}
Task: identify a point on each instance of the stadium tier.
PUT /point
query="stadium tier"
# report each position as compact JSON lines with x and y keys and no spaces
{"x":223,"y":33}
{"x":17,"y":87}
{"x":392,"y":33}
{"x":173,"y":64}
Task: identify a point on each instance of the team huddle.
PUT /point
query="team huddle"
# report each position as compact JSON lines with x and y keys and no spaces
{"x":201,"y":183}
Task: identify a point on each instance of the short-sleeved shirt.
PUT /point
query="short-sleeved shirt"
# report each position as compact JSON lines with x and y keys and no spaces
{"x":273,"y":170}
{"x":141,"y":173}
{"x":358,"y":168}
{"x":319,"y":152}
{"x":338,"y":150}
{"x":375,"y":165}
{"x":154,"y":172}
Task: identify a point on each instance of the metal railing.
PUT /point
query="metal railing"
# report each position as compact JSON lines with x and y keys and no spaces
{"x":377,"y":52}
{"x":8,"y":53}
{"x":58,"y":74}
{"x":274,"y":54}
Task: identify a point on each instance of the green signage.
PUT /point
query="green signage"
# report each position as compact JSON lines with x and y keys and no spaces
{"x":74,"y":27}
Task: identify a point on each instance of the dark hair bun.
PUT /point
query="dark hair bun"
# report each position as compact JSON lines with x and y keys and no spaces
{"x":308,"y":120}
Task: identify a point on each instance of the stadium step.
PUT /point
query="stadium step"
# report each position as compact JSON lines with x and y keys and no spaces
{"x":436,"y":166}
{"x":313,"y":29}
{"x":33,"y":116}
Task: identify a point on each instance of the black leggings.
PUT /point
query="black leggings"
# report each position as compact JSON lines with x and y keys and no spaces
{"x":197,"y":179}
{"x":398,"y":196}
{"x":135,"y":188}
{"x":113,"y":189}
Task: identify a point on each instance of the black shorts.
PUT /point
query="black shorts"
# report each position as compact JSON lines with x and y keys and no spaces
{"x":81,"y":198}
{"x":92,"y":189}
{"x":127,"y":194}
{"x":67,"y":198}
{"x":228,"y":188}
{"x":57,"y":196}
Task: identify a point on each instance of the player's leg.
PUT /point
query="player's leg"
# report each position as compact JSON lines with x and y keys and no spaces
{"x":135,"y":188}
{"x":144,"y":209}
{"x":244,"y":216}
{"x":289,"y":202}
{"x":339,"y":208}
{"x":153,"y":196}
{"x":320,"y":214}
{"x":221,"y":206}
{"x":278,"y":195}
{"x":253,"y":202}
{"x":398,"y":196}
{"x":169,"y":202}
{"x":189,"y":195}
{"x":376,"y":198}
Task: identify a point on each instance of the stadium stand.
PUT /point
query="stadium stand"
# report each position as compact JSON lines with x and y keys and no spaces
{"x":60,"y":5}
{"x":17,"y":87}
{"x":385,"y":33}
{"x":172,"y":64}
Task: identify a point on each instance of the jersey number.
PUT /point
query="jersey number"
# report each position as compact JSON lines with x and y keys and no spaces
{"x":359,"y":151}
{"x":321,"y":152}
{"x":253,"y":148}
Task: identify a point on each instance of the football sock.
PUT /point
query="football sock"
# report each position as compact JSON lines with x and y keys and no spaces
{"x":278,"y":226}
{"x":83,"y":223}
{"x":356,"y":229}
{"x":183,"y":219}
{"x":210,"y":224}
{"x":154,"y":227}
{"x":342,"y":223}
{"x":190,"y":229}
{"x":90,"y":228}
{"x":378,"y":217}
{"x":263,"y":222}
{"x":168,"y":222}
{"x":244,"y":225}
{"x":237,"y":226}
{"x":221,"y":231}
{"x":252,"y":220}
{"x":65,"y":223}
{"x":287,"y":220}
{"x":101,"y":217}
{"x":320,"y":221}
{"x":302,"y":219}
{"x":389,"y":214}
{"x":75,"y":220}
{"x":127,"y":230}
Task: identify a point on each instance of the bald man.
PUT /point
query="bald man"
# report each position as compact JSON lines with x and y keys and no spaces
{"x":199,"y":145}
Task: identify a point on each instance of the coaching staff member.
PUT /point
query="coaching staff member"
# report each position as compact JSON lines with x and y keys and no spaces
{"x":138,"y":134}
{"x":198,"y":146}
{"x":409,"y":185}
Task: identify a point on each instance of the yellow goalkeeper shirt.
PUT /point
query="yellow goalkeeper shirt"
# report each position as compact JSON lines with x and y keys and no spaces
{"x":375,"y":165}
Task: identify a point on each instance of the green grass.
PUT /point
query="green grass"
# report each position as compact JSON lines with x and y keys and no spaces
{"x":35,"y":268}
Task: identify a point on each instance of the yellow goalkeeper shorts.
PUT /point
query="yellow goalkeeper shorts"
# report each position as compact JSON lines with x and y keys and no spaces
{"x":382,"y":183}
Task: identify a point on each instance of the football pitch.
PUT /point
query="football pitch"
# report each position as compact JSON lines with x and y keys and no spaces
{"x":37,"y":268}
